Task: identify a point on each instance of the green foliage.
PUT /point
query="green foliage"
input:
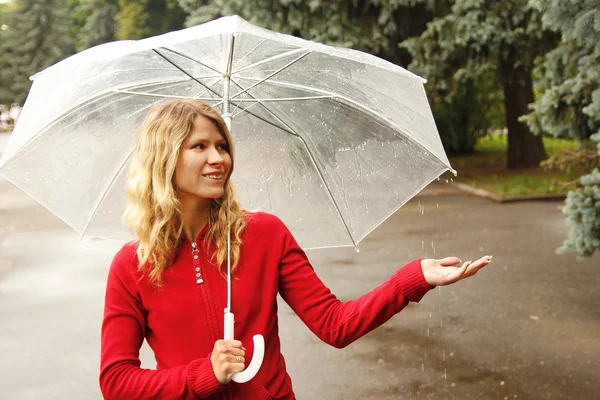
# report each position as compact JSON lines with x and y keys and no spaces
{"x":374,"y":26}
{"x":569,"y":106}
{"x":38,"y":37}
{"x":582,"y":208}
{"x":476,"y":39}
{"x":132,"y":20}
{"x":568,"y":76}
{"x":139,"y":19}
{"x":476,"y":108}
{"x":6,"y":93}
{"x":95,"y":20}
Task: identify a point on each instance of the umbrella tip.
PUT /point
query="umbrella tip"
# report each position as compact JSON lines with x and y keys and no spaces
{"x":357,"y":249}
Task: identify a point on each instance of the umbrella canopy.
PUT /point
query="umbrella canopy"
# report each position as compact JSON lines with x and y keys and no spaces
{"x":331,"y":140}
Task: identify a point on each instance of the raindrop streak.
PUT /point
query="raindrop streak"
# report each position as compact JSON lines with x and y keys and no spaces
{"x":445,"y":375}
{"x":444,"y":355}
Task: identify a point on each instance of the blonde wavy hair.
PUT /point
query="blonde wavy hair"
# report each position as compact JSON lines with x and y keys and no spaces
{"x":154,"y":211}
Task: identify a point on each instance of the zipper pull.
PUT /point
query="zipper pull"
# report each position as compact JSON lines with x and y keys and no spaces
{"x":199,"y":279}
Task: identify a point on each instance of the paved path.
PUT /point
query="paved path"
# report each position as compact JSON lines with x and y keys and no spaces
{"x":527,"y":327}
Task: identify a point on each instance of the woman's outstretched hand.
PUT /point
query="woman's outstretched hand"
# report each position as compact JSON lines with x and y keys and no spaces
{"x":444,"y":272}
{"x":227,"y":359}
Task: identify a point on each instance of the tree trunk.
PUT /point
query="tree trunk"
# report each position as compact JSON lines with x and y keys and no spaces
{"x":524,"y":148}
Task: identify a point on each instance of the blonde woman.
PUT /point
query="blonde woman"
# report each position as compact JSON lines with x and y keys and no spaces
{"x":169,"y":286}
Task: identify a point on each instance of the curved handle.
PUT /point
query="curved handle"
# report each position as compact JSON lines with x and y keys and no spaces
{"x":257,"y":358}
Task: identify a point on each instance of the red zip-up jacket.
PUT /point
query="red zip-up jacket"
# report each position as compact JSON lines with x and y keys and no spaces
{"x":182,"y":320}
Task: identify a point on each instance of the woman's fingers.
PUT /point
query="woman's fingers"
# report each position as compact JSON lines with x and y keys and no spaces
{"x":459,"y":273}
{"x":227,"y":359}
{"x":474,"y":266}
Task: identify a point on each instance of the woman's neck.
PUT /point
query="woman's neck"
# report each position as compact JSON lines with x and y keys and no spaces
{"x":194,"y":216}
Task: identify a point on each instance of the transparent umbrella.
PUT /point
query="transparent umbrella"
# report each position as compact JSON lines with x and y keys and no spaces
{"x":331,"y":140}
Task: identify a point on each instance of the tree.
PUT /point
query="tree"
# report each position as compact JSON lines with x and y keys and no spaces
{"x":93,"y":22}
{"x":139,"y":19}
{"x":6,"y":93}
{"x":373,"y":26}
{"x":567,"y":75}
{"x":569,"y":106}
{"x":38,"y":37}
{"x":479,"y":36}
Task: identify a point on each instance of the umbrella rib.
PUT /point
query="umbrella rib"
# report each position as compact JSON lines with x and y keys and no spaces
{"x":250,"y":51}
{"x":97,"y":206}
{"x":179,"y":68}
{"x":166,"y":96}
{"x":283,"y":99}
{"x":312,"y":158}
{"x":273,"y":58}
{"x":288,"y":129}
{"x":193,"y":60}
{"x":271,"y":75}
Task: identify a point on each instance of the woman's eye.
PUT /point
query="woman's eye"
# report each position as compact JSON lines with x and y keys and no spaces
{"x":224,"y":147}
{"x":200,"y":146}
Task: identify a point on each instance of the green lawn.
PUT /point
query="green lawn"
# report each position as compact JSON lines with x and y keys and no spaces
{"x":486,"y":169}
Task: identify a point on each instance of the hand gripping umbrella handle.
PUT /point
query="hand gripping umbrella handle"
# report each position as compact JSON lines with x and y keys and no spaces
{"x":257,"y":358}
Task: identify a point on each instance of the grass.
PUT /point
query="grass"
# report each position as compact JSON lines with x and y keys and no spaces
{"x":486,"y":169}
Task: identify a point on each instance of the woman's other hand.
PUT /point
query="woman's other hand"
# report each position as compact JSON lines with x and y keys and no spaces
{"x":227,"y":359}
{"x":443,"y":272}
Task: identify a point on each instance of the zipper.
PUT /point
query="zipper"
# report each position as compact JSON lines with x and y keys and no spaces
{"x":213,"y":320}
{"x":196,"y":263}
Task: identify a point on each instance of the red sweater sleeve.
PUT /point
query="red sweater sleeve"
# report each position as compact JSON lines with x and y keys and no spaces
{"x":340,"y":323}
{"x":123,"y":331}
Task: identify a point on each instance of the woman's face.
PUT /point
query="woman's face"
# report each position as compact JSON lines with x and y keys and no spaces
{"x":204,"y":162}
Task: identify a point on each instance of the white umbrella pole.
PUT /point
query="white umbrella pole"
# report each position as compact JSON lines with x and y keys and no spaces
{"x":259,"y":341}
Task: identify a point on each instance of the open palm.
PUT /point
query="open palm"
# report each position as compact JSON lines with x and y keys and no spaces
{"x":444,"y":272}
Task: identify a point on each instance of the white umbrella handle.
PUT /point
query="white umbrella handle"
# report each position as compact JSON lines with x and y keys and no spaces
{"x":257,"y":358}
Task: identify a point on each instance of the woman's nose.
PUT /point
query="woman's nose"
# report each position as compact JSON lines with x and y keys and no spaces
{"x":214,"y":156}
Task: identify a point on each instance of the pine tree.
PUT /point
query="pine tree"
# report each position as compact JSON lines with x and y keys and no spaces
{"x":373,"y":26}
{"x":569,"y":76}
{"x":569,"y":106}
{"x":7,"y":96}
{"x":479,"y":36}
{"x":97,"y":23}
{"x":39,"y":37}
{"x":139,"y":19}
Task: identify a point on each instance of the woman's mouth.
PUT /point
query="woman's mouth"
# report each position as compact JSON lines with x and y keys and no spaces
{"x":214,"y":177}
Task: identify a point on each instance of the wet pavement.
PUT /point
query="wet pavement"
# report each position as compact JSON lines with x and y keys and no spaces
{"x":526,"y":327}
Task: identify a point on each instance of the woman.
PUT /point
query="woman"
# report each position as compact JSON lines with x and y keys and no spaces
{"x":169,"y":286}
